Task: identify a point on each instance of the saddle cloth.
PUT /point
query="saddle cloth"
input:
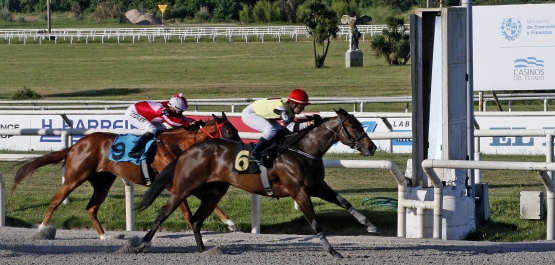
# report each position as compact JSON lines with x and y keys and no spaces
{"x":241,"y":163}
{"x":119,"y":152}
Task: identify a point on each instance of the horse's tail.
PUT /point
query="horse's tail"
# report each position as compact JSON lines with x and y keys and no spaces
{"x":160,"y":183}
{"x":32,"y":164}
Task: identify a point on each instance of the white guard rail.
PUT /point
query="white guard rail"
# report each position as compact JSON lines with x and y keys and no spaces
{"x":181,"y":34}
{"x":429,"y":165}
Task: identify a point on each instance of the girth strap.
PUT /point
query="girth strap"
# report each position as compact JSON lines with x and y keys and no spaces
{"x":144,"y":172}
{"x":265,"y":182}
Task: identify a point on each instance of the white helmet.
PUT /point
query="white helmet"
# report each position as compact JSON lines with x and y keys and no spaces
{"x":178,"y":102}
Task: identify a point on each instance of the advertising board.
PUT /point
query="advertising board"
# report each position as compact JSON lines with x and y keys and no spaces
{"x":513,"y":47}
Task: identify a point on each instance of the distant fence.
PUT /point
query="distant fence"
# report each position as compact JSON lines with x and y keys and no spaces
{"x":358,"y":102}
{"x":178,"y":33}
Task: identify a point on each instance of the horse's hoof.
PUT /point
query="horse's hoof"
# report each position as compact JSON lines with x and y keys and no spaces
{"x":105,"y":237}
{"x":232,"y":226}
{"x":45,"y":232}
{"x":373,"y":229}
{"x":134,"y":245}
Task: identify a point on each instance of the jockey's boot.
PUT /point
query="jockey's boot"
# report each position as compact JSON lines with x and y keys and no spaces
{"x":139,"y":147}
{"x":260,"y":146}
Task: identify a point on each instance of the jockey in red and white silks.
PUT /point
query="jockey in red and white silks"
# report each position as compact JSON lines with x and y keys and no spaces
{"x":153,"y":117}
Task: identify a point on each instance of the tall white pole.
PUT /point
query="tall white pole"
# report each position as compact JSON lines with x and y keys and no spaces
{"x":470,"y":93}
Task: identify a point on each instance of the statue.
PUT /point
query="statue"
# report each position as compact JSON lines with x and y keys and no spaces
{"x":354,"y":35}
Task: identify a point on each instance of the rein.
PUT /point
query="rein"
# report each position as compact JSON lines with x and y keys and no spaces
{"x":217,"y":134}
{"x":353,"y":142}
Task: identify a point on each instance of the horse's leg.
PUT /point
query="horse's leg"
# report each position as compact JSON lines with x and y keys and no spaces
{"x":186,"y":211}
{"x":305,"y":205}
{"x":208,"y":201}
{"x":325,"y":192}
{"x":232,"y":226}
{"x":70,"y":184}
{"x":101,"y":183}
{"x":173,"y":202}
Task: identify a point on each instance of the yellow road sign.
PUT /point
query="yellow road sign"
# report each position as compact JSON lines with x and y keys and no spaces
{"x":162,"y":8}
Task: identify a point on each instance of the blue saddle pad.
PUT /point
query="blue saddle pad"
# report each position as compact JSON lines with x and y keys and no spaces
{"x":119,"y":152}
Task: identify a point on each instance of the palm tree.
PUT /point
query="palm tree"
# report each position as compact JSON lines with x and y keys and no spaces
{"x":321,"y":24}
{"x":393,"y":44}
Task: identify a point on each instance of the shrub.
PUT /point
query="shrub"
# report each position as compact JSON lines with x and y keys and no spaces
{"x":5,"y":15}
{"x":245,"y":15}
{"x":26,"y":93}
{"x":203,"y":14}
{"x":106,"y":10}
{"x":77,"y":10}
{"x":265,"y":12}
{"x":393,"y":44}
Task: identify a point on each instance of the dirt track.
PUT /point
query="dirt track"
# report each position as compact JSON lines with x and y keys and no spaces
{"x":84,"y":247}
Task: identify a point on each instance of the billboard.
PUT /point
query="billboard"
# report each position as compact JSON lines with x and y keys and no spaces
{"x":513,"y":47}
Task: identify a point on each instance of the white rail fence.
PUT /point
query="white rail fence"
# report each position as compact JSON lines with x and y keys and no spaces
{"x":181,"y":34}
{"x":358,"y":103}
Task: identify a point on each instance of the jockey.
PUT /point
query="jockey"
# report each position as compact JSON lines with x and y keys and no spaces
{"x":262,"y":115}
{"x":153,"y":117}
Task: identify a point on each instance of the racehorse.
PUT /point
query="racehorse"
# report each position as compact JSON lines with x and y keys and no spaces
{"x":87,"y":160}
{"x":297,"y":172}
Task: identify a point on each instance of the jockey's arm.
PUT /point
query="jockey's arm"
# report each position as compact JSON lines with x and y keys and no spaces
{"x":304,"y":123}
{"x":189,"y":123}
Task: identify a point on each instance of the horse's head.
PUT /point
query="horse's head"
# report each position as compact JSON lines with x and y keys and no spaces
{"x":353,"y":134}
{"x":225,"y":129}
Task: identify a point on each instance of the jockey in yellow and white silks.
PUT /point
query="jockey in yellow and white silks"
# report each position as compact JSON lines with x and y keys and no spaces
{"x":263,"y":115}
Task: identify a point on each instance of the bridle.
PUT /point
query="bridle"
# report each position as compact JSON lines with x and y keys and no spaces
{"x":218,"y":134}
{"x":353,"y":142}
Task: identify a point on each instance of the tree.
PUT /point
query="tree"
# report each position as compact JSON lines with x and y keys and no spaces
{"x":393,"y":44}
{"x":321,"y":24}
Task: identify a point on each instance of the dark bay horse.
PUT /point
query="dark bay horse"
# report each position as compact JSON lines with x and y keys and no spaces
{"x":298,"y":172}
{"x":87,"y":160}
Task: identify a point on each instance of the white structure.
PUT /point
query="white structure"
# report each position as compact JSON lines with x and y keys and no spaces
{"x":438,"y":51}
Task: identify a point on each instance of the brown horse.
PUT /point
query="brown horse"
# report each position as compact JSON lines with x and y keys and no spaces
{"x":87,"y":160}
{"x":298,"y":172}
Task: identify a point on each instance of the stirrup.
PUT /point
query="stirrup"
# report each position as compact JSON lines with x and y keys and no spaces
{"x":255,"y":159}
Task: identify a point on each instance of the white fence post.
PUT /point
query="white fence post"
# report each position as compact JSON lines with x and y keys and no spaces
{"x":129,"y":206}
{"x":2,"y":202}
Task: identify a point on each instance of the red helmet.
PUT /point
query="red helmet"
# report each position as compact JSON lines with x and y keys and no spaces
{"x":298,"y":96}
{"x":178,"y":102}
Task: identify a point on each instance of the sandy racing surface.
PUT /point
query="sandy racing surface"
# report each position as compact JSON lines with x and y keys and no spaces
{"x":84,"y":247}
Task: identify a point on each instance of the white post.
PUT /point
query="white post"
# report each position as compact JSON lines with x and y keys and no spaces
{"x":549,"y":152}
{"x":65,"y":144}
{"x":255,"y":214}
{"x":129,"y":206}
{"x":2,"y":202}
{"x":469,"y":94}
